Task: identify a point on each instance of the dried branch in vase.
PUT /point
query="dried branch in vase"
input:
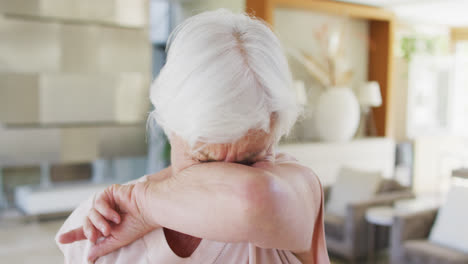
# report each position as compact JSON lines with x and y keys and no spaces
{"x":336,"y":71}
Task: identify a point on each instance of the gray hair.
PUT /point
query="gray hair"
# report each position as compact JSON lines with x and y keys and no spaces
{"x":225,"y":74}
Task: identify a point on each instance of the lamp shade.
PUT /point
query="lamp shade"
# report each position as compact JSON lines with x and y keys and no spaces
{"x":369,"y":95}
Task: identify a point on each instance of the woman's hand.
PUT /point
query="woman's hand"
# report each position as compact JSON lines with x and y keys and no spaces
{"x":114,"y":221}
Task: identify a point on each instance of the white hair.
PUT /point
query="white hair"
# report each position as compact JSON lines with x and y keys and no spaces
{"x":225,"y":74}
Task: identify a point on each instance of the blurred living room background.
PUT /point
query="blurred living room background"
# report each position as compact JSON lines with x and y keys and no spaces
{"x":383,"y":84}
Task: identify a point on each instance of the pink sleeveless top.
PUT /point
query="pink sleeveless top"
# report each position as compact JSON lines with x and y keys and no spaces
{"x":154,"y":249}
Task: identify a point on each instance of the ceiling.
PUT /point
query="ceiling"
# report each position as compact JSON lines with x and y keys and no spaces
{"x":442,"y":12}
{"x":375,"y":2}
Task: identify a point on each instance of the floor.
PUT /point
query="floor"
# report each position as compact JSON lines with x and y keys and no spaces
{"x":29,"y":241}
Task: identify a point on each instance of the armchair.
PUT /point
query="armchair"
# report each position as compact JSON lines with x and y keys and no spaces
{"x":410,"y":244}
{"x":347,"y":236}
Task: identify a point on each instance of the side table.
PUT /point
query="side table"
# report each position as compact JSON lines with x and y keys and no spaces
{"x":377,"y":216}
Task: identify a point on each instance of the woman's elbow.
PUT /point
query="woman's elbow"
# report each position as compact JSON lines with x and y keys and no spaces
{"x":257,"y":201}
{"x":271,"y":221}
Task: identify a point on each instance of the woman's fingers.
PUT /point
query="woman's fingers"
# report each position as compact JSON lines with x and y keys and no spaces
{"x":102,"y":248}
{"x":99,"y":222}
{"x":72,"y":236}
{"x":94,"y":226}
{"x":90,"y":231}
{"x":103,"y":207}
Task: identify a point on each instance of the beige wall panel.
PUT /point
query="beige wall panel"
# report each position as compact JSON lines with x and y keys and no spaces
{"x":84,"y":10}
{"x":131,"y":101}
{"x":73,"y":98}
{"x":79,"y":144}
{"x":80,"y":48}
{"x":28,"y":46}
{"x":126,"y":141}
{"x":28,"y":146}
{"x":125,"y":50}
{"x":89,"y":48}
{"x":77,"y":68}
{"x":41,"y":46}
{"x":18,"y":98}
{"x":24,"y":7}
{"x":31,"y":146}
{"x":129,"y":13}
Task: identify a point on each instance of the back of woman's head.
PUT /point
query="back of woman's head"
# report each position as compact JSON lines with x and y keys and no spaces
{"x":225,"y":74}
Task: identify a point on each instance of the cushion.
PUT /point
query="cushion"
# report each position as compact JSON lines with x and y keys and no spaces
{"x":334,"y":226}
{"x":352,"y":186}
{"x":425,"y":252}
{"x":390,"y":185}
{"x":450,"y":228}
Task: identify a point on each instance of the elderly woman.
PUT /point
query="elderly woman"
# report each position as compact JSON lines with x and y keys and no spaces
{"x":224,"y":99}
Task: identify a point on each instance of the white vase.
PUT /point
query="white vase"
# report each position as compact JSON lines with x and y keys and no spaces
{"x":337,"y":114}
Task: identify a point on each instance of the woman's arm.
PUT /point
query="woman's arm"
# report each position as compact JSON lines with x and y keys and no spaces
{"x":270,"y":205}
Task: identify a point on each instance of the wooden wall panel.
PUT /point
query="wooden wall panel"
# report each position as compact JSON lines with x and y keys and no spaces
{"x":261,"y":8}
{"x":337,"y":8}
{"x":381,"y":70}
{"x":459,"y":34}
